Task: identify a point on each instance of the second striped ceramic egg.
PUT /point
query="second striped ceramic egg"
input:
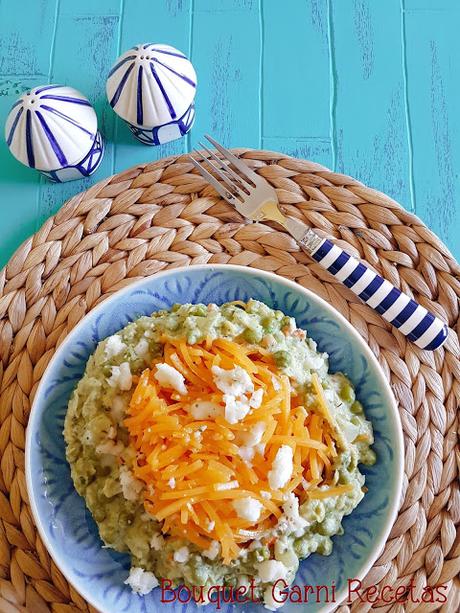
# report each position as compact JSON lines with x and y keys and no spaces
{"x":152,"y":87}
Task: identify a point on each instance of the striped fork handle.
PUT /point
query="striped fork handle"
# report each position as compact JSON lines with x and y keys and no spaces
{"x":419,"y":325}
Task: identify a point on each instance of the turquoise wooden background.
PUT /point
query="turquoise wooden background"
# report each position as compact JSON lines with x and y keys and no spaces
{"x":367,"y":87}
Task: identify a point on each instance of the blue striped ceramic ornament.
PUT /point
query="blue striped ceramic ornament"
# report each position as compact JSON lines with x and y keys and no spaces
{"x":53,"y":129}
{"x":152,"y":87}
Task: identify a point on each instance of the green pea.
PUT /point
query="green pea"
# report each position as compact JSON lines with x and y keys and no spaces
{"x":252,"y":336}
{"x":282,"y":359}
{"x":367,"y":455}
{"x":325,"y":546}
{"x":329,"y":526}
{"x":264,"y":552}
{"x":302,"y":547}
{"x":173,"y":325}
{"x":269,"y":324}
{"x":200,"y":310}
{"x":352,"y":464}
{"x":347,"y":393}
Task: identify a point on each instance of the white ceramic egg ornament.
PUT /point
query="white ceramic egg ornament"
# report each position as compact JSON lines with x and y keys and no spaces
{"x":53,"y":129}
{"x":152,"y":87}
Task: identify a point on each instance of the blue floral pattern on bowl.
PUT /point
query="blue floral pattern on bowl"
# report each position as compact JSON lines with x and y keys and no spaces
{"x":68,"y":529}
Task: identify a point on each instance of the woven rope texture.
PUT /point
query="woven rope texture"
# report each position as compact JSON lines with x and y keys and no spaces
{"x":163,"y":215}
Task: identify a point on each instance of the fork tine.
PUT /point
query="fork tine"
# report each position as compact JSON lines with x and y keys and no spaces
{"x":221,"y":175}
{"x":226,"y":167}
{"x":242,"y":167}
{"x":225,"y":193}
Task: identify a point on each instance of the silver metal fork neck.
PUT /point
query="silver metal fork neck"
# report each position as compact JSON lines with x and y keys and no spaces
{"x":310,"y":240}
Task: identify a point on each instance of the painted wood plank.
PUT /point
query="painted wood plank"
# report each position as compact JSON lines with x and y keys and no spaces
{"x":370,"y":131}
{"x":83,"y":65}
{"x":430,"y":5}
{"x":19,"y":185}
{"x":90,"y":8}
{"x":296,"y":65}
{"x":308,"y":148}
{"x":25,"y":51}
{"x":434,"y":89}
{"x":25,"y":43}
{"x":226,"y":54}
{"x":165,"y":22}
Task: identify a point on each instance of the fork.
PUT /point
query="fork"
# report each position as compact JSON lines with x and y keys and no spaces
{"x":254,"y":198}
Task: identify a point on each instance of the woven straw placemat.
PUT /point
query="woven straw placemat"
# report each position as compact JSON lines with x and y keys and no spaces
{"x":164,"y":215}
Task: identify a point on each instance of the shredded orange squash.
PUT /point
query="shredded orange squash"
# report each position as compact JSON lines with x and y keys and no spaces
{"x":192,"y":468}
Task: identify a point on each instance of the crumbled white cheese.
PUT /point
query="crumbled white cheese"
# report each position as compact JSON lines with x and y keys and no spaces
{"x":243,"y":580}
{"x":110,"y":447}
{"x":204,"y":409}
{"x":182,"y":555}
{"x":260,"y":448}
{"x":246,"y":453}
{"x":255,"y":544}
{"x":131,"y":487}
{"x":282,"y":467}
{"x":270,"y":571}
{"x":350,"y":431}
{"x":256,"y":398}
{"x":247,"y":508}
{"x":157,"y":542}
{"x":265,"y":495}
{"x":141,"y":581}
{"x":168,"y":376}
{"x":211,"y":526}
{"x":118,"y":408}
{"x":273,"y":598}
{"x":230,"y":485}
{"x":276,"y":384}
{"x":235,"y":382}
{"x":142,"y":348}
{"x":212,"y":551}
{"x":291,"y":519}
{"x":235,"y":410}
{"x":254,"y":436}
{"x":172,"y":483}
{"x":113,"y":346}
{"x":121,"y":377}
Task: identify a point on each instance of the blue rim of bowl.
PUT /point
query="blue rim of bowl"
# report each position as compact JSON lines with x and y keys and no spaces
{"x":385,"y":386}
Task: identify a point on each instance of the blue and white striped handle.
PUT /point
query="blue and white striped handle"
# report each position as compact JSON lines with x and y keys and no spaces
{"x":419,"y":325}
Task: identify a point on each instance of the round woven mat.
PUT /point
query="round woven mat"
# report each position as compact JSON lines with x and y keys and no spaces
{"x":164,"y":215}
